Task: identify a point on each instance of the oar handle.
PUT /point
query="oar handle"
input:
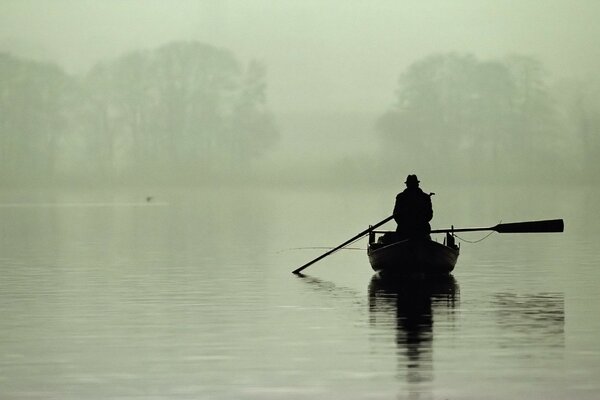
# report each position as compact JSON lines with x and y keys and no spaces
{"x":545,"y":226}
{"x":363,"y":233}
{"x":450,"y":230}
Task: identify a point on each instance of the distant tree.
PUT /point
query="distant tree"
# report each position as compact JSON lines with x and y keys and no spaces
{"x":33,"y":118}
{"x":183,"y":106}
{"x":252,"y":127}
{"x":533,"y":115}
{"x":580,"y":105}
{"x":457,"y":112}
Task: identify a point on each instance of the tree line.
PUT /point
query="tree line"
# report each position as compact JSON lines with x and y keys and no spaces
{"x":185,"y":110}
{"x":188,"y":111}
{"x":492,"y":120}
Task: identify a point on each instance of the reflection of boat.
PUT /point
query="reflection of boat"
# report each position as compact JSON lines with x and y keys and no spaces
{"x":413,"y":256}
{"x":410,"y":293}
{"x":409,"y":308}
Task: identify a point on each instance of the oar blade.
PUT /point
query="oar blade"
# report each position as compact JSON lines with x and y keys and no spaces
{"x":550,"y":225}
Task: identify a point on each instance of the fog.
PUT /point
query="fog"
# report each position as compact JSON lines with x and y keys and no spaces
{"x":318,"y":92}
{"x":166,"y":165}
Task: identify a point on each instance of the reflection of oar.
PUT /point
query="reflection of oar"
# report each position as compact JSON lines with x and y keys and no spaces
{"x":363,"y":233}
{"x":549,"y":225}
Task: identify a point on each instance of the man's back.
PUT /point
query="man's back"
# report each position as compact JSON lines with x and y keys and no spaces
{"x":412,"y":212}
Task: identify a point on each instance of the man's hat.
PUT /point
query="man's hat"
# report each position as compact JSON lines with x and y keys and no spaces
{"x":412,"y":179}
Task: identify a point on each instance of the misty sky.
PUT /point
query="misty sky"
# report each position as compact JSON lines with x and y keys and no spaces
{"x":322,"y":56}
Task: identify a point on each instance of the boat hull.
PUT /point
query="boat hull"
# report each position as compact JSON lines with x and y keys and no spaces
{"x":412,"y":257}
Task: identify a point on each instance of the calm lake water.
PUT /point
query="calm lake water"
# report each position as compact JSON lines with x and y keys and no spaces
{"x":189,"y":295}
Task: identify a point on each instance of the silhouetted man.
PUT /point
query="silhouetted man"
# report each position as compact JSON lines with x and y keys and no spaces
{"x":413,"y":211}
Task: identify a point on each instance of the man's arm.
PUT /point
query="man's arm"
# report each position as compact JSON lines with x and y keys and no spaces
{"x":397,"y":208}
{"x":428,"y":208}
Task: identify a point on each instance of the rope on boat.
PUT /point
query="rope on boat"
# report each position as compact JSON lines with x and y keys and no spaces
{"x":474,"y":241}
{"x":478,"y":240}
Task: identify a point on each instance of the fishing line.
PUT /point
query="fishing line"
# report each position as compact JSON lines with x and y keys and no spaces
{"x":319,"y":248}
{"x":326,"y":248}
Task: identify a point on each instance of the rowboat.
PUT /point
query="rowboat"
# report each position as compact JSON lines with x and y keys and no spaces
{"x":414,"y":257}
{"x":424,"y":256}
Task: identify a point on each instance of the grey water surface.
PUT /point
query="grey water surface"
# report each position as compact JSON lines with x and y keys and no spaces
{"x":188,"y":294}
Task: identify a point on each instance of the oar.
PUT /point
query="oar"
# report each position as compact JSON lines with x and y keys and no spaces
{"x":549,"y":225}
{"x":363,"y":233}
